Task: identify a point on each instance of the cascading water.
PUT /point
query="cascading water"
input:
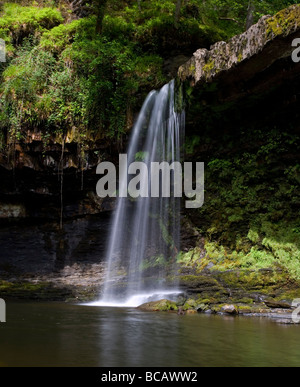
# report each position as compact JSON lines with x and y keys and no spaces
{"x":145,"y":231}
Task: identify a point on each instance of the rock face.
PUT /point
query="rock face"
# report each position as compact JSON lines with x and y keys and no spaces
{"x":237,"y":89}
{"x":39,"y":261}
{"x":33,"y":180}
{"x":249,"y":64}
{"x":263,"y":44}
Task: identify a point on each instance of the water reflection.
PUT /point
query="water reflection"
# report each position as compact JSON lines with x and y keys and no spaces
{"x":135,"y":339}
{"x":72,"y":335}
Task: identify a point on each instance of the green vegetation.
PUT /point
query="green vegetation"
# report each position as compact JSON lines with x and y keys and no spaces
{"x":58,"y":82}
{"x":91,"y":73}
{"x":66,"y":78}
{"x":250,"y":217}
{"x":19,"y":22}
{"x":159,"y":306}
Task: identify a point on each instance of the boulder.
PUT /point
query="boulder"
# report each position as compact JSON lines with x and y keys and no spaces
{"x":202,"y":308}
{"x":277,"y":304}
{"x":159,"y":306}
{"x":230,"y":309}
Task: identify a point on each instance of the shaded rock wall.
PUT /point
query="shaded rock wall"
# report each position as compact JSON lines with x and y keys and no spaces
{"x":249,"y":79}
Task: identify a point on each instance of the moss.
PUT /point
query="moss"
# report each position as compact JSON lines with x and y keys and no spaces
{"x":240,"y":58}
{"x":208,"y":68}
{"x":262,"y":281}
{"x":201,"y":281}
{"x":289,"y":294}
{"x":244,"y":309}
{"x":159,"y":306}
{"x":244,"y":300}
{"x":204,"y":301}
{"x":190,"y":304}
{"x":190,"y":257}
{"x":35,"y":291}
{"x":192,"y":69}
{"x":270,"y":245}
{"x":217,"y":308}
{"x":283,"y":23}
{"x":18,"y":22}
{"x":57,"y":39}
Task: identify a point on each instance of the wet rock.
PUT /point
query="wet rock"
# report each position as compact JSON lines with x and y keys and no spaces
{"x":181,"y":300}
{"x":202,"y":308}
{"x":190,"y":304}
{"x":277,"y":304}
{"x":202,"y":284}
{"x":12,"y":211}
{"x":210,"y":266}
{"x":230,"y":309}
{"x":159,"y":306}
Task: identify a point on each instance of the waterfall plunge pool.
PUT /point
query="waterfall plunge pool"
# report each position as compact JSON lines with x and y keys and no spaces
{"x":59,"y":334}
{"x":138,"y":299}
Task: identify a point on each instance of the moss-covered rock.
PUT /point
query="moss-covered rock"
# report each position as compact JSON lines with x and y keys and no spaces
{"x":205,"y":65}
{"x":159,"y":306}
{"x":252,"y":280}
{"x":34,"y":291}
{"x":283,"y":23}
{"x":200,"y":283}
{"x":253,"y":292}
{"x":190,"y":304}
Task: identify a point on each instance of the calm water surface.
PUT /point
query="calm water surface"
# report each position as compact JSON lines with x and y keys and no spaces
{"x":70,"y":335}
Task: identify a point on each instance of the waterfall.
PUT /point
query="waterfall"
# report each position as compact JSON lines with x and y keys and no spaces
{"x":145,"y":232}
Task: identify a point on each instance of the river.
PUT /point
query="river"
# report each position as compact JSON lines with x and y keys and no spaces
{"x":61,"y":334}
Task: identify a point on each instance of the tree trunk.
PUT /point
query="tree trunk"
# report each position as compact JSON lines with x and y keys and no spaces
{"x":250,"y":15}
{"x":177,"y":13}
{"x":100,"y":12}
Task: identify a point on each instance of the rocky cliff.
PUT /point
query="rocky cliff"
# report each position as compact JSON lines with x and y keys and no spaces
{"x":242,"y":121}
{"x":248,"y":63}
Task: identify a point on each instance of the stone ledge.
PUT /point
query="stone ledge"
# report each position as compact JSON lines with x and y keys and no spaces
{"x":267,"y":41}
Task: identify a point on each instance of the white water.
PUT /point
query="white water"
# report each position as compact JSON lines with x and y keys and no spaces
{"x":144,"y":237}
{"x":138,"y":299}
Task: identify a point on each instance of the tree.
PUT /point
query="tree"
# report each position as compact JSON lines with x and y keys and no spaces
{"x":82,"y":8}
{"x":250,"y":15}
{"x":177,"y":12}
{"x":99,"y":9}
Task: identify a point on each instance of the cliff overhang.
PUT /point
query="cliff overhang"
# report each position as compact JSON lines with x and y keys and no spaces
{"x":250,"y":63}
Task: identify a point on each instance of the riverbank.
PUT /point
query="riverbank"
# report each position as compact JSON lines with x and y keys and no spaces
{"x":262,"y":293}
